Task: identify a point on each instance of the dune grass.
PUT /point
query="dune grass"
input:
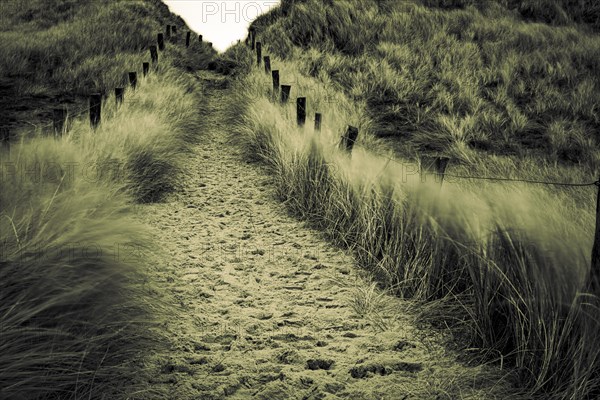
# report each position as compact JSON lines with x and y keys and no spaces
{"x":463,"y":80}
{"x":500,"y":265}
{"x":73,"y":317}
{"x":77,"y":316}
{"x":63,"y":52}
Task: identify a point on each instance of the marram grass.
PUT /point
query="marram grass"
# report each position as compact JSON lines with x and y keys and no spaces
{"x":501,"y":265}
{"x":462,"y":78}
{"x":77,"y":316}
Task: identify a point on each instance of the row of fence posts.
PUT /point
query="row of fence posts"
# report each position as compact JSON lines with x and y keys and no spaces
{"x":60,"y":115}
{"x":428,"y":165}
{"x":283,"y":92}
{"x":96,"y":99}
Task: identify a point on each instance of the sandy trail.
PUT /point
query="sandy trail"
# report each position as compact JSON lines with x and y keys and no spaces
{"x":266,"y":308}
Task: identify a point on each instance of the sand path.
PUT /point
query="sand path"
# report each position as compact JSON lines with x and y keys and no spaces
{"x":265,"y":308}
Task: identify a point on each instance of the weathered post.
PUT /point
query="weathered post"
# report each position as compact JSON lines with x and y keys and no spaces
{"x":174,"y":29}
{"x":133,"y":79}
{"x":188,"y":36}
{"x":593,"y":279}
{"x":267,"y":60}
{"x":160,"y":40}
{"x":168,"y":31}
{"x":145,"y":68}
{"x":285,"y":93}
{"x":200,"y":38}
{"x":119,"y":95}
{"x":4,"y":138}
{"x":258,"y":53}
{"x":58,"y":121}
{"x":349,"y":138}
{"x":210,"y":44}
{"x":153,"y":54}
{"x":95,"y":109}
{"x":433,"y":165}
{"x":275,"y":74}
{"x":318,"y":118}
{"x":253,"y":32}
{"x":301,"y":111}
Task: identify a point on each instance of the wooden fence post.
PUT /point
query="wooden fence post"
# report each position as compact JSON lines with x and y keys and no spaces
{"x":593,"y":279}
{"x":174,"y":37}
{"x":160,"y":40}
{"x":318,"y":118}
{"x":153,"y":54}
{"x":301,"y":111}
{"x":119,"y":95}
{"x":168,"y":31}
{"x":133,"y":79}
{"x":267,"y":60}
{"x":285,"y":93}
{"x":275,"y":74}
{"x":249,"y":38}
{"x":349,"y":138}
{"x":5,"y":138}
{"x":95,"y":109}
{"x":58,"y":121}
{"x":145,"y":68}
{"x":258,"y":53}
{"x":433,"y":165}
{"x":210,"y":44}
{"x":200,"y":38}
{"x":188,"y":35}
{"x":253,"y":38}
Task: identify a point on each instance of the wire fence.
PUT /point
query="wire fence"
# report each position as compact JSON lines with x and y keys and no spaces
{"x":489,"y":178}
{"x":5,"y":136}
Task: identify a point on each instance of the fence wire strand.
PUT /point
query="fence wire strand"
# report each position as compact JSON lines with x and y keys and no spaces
{"x":487,"y":178}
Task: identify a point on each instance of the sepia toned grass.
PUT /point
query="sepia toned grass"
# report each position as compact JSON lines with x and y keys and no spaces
{"x":458,"y":78}
{"x":73,"y":315}
{"x":76,"y":320}
{"x":501,"y":265}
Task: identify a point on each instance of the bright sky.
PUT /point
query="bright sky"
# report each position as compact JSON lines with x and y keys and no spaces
{"x":221,"y":22}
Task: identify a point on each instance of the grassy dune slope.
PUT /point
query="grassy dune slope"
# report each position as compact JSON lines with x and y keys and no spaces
{"x":76,"y":318}
{"x":502,"y":265}
{"x":62,"y":51}
{"x":459,"y":81}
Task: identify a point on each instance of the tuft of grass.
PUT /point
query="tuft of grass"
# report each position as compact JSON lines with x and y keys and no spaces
{"x":149,"y":149}
{"x":74,"y":317}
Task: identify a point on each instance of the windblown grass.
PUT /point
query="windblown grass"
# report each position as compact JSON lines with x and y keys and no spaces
{"x":65,"y":51}
{"x":465,"y":79}
{"x":501,"y":265}
{"x":73,"y":314}
{"x":76,"y":316}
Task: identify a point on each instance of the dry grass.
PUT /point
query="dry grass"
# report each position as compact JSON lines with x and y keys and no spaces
{"x":466,"y":80}
{"x":76,"y":319}
{"x":502,"y":265}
